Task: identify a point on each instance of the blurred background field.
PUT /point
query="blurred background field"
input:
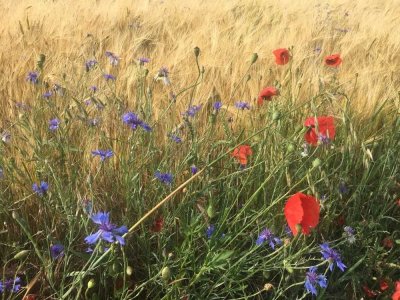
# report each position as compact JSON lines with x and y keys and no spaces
{"x":171,"y":254}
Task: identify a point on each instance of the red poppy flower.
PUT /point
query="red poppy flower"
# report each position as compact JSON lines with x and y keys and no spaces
{"x":396,"y":295}
{"x":383,"y":285}
{"x":282,"y":56}
{"x":158,"y":224}
{"x":333,"y":60}
{"x":326,"y":129}
{"x":301,"y":209}
{"x":387,"y":242}
{"x":370,"y":293}
{"x":241,"y":153}
{"x":267,"y":94}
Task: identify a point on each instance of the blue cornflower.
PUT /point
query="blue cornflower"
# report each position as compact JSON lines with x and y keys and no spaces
{"x":47,"y":95}
{"x":54,"y":124}
{"x":32,"y":77}
{"x":144,"y":60}
{"x":109,"y":77}
{"x":175,"y":138}
{"x":93,"y":88}
{"x":90,"y":64}
{"x":217,"y":105}
{"x":56,"y":251}
{"x":192,"y":111}
{"x":210,"y":230}
{"x":107,"y":231}
{"x":313,"y":279}
{"x":165,"y":178}
{"x":193,"y":169}
{"x":324,"y":139}
{"x":163,"y":74}
{"x":104,"y":154}
{"x":132,"y":120}
{"x":11,"y":285}
{"x":242,"y":105}
{"x":41,"y":189}
{"x":114,"y":59}
{"x":349,"y":233}
{"x":267,"y":236}
{"x":332,"y":256}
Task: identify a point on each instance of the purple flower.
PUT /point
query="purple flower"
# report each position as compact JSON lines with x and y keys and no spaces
{"x":132,"y":120}
{"x":32,"y":77}
{"x":104,"y":154}
{"x":242,"y":105}
{"x":144,"y":60}
{"x":192,"y":111}
{"x":217,"y":105}
{"x":54,"y":124}
{"x":165,"y":178}
{"x":267,"y":236}
{"x":11,"y":285}
{"x":175,"y":138}
{"x":93,"y":88}
{"x":332,"y":256}
{"x":163,"y":74}
{"x":90,"y":64}
{"x":47,"y":95}
{"x":114,"y":59}
{"x":324,"y":139}
{"x":193,"y":169}
{"x":107,"y":231}
{"x":109,"y":77}
{"x":41,"y":189}
{"x":56,"y":251}
{"x":210,"y":230}
{"x":313,"y":279}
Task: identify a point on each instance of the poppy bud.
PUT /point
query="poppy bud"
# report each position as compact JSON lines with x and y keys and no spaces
{"x":166,"y":273}
{"x":21,"y":254}
{"x":146,"y":72}
{"x":129,"y":270}
{"x":203,"y":69}
{"x":316,"y":163}
{"x":210,"y":211}
{"x":254,"y":58}
{"x":91,"y":283}
{"x":196,"y":51}
{"x":14,"y":215}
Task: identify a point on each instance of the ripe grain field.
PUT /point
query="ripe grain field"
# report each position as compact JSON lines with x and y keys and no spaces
{"x":199,"y":149}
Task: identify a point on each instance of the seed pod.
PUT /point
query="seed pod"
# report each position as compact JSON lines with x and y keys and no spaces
{"x":254,"y":58}
{"x":210,"y":211}
{"x":129,"y":270}
{"x":276,"y":115}
{"x":91,"y":283}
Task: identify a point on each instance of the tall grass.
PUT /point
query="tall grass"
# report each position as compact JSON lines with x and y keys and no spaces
{"x":356,"y":177}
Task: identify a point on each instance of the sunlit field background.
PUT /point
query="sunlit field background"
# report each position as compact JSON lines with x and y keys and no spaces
{"x":199,"y":239}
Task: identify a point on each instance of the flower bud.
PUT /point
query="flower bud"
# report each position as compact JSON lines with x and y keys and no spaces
{"x":290,"y":148}
{"x":166,"y":273}
{"x":196,"y":51}
{"x":91,"y":283}
{"x":210,"y":211}
{"x":129,"y":270}
{"x":276,"y":115}
{"x":21,"y":254}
